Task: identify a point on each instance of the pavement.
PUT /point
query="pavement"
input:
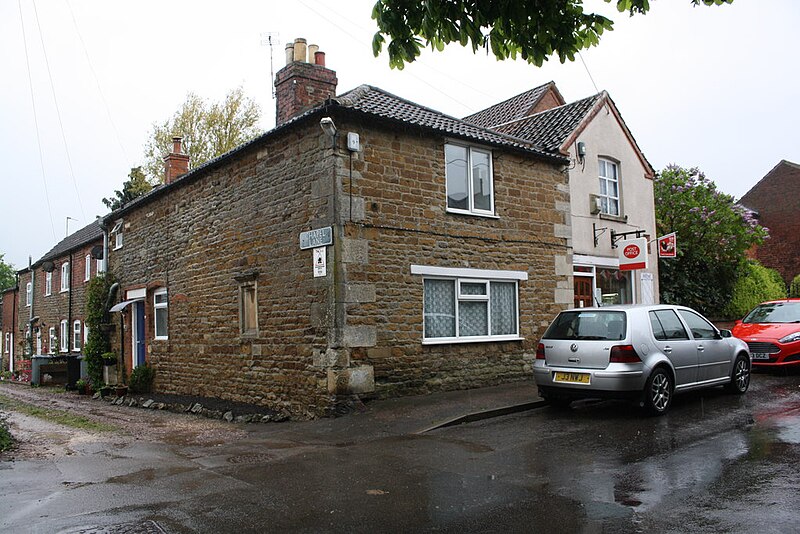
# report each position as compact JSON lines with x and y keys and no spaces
{"x":419,"y":414}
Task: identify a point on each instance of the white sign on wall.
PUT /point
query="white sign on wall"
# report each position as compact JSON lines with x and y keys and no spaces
{"x":633,"y":254}
{"x":320,"y":265}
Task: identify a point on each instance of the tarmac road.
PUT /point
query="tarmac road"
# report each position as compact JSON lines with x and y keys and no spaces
{"x":715,"y":463}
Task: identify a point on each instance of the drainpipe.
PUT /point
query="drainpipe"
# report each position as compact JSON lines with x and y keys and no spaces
{"x":102,"y":223}
{"x":30,"y":308}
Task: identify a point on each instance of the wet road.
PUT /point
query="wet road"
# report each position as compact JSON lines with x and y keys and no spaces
{"x":715,"y":463}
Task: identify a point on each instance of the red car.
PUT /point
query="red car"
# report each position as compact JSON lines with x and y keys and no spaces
{"x":772,"y":331}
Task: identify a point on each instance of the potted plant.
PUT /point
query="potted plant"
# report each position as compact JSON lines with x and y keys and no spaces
{"x":80,"y":386}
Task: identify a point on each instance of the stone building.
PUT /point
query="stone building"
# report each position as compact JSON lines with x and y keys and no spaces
{"x":610,"y":182}
{"x":776,"y":199}
{"x":50,"y":300}
{"x":366,"y":245}
{"x":9,"y":335}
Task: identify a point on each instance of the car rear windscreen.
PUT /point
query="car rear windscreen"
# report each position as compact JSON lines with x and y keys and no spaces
{"x":588,"y":324}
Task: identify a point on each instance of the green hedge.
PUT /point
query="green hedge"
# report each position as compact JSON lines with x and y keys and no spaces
{"x":754,"y":285}
{"x":794,"y":288}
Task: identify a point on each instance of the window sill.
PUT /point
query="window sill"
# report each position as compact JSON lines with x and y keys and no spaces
{"x":161,"y":338}
{"x":472,"y":214}
{"x":617,"y":218}
{"x":458,"y":340}
{"x":64,"y":291}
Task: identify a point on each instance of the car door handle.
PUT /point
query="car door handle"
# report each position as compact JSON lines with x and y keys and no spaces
{"x":700,"y":348}
{"x":667,"y":349}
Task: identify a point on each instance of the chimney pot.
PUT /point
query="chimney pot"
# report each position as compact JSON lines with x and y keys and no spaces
{"x":176,"y":144}
{"x":289,"y":51}
{"x":175,"y":163}
{"x":300,"y":50}
{"x":319,"y":58}
{"x":312,"y":50}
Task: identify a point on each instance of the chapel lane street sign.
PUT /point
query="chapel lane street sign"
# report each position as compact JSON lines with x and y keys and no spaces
{"x":320,"y":237}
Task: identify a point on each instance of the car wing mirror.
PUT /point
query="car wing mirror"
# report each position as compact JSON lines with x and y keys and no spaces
{"x":725,"y":333}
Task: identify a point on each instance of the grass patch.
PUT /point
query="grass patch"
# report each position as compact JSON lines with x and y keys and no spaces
{"x":6,"y":441}
{"x":60,"y":417}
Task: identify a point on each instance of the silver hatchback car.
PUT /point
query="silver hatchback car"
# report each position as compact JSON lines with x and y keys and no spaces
{"x":644,"y":353}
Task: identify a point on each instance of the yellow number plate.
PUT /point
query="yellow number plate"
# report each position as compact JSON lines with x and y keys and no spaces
{"x":573,"y":378}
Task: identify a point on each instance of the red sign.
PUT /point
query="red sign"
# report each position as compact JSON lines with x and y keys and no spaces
{"x":633,"y":254}
{"x":668,"y":246}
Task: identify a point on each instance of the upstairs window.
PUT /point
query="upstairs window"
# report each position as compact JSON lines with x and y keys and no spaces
{"x":65,"y":276}
{"x":609,"y":187}
{"x":87,"y":268}
{"x":470,"y":187}
{"x":28,"y":294}
{"x":160,"y":311}
{"x":48,"y":284}
{"x":117,"y":232}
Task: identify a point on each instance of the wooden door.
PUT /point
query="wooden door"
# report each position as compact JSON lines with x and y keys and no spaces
{"x":583,"y":291}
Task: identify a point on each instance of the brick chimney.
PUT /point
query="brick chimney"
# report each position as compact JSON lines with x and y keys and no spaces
{"x":304,"y":82}
{"x":176,"y":162}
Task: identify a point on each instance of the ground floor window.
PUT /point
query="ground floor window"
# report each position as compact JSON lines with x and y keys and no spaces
{"x":64,"y":340}
{"x":463,"y":308}
{"x":602,"y":286}
{"x":615,"y":286}
{"x":76,"y":336}
{"x":52,"y":340}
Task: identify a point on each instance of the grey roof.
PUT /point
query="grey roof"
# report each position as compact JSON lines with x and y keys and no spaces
{"x":377,"y":104}
{"x":89,"y":233}
{"x":515,"y":107}
{"x":550,"y":129}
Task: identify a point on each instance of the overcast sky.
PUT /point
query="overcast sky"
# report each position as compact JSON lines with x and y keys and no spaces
{"x":713,"y":87}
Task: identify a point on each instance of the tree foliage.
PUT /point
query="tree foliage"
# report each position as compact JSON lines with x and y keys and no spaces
{"x":135,"y":186}
{"x":532,"y":29}
{"x":208,"y":130}
{"x":713,"y":234}
{"x":754,"y":285}
{"x":7,"y":274}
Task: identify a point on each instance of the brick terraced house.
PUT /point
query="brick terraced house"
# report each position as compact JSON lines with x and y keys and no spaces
{"x":365,"y":245}
{"x":610,"y":182}
{"x":50,"y":301}
{"x":776,"y":199}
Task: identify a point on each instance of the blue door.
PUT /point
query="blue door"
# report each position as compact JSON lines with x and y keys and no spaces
{"x":138,"y":334}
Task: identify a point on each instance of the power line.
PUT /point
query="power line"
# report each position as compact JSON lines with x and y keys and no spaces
{"x":97,"y":82}
{"x":58,"y":111}
{"x":36,"y":120}
{"x":589,"y":73}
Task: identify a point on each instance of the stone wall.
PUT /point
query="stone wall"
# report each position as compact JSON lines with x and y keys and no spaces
{"x":239,"y":219}
{"x":399,"y":218}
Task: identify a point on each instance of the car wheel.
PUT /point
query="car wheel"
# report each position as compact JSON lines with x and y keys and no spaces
{"x":740,"y":378}
{"x":658,"y":392}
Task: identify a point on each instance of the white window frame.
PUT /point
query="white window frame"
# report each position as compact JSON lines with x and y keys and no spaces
{"x":100,"y":267}
{"x":465,"y":275}
{"x":29,"y":294}
{"x":51,"y":340}
{"x":48,"y":284}
{"x":65,"y":272}
{"x":7,"y":341}
{"x":608,"y":197}
{"x":117,"y":231}
{"x":471,"y":209}
{"x":63,"y":340}
{"x":76,"y":336}
{"x":85,"y":334}
{"x":160,"y":307}
{"x":87,"y":268}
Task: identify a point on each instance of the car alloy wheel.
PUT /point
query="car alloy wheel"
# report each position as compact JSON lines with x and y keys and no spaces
{"x":658,"y":392}
{"x":740,"y":379}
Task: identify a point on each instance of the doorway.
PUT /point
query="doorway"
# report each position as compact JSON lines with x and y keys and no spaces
{"x":137,"y":335}
{"x":583,"y":291}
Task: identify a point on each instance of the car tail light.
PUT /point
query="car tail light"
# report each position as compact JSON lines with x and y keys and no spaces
{"x":624,"y":354}
{"x":540,"y":351}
